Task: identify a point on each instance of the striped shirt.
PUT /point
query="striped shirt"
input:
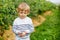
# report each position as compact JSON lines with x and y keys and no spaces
{"x":21,"y":25}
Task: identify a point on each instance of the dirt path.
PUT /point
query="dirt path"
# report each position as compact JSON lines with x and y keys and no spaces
{"x":40,"y":19}
{"x":9,"y":35}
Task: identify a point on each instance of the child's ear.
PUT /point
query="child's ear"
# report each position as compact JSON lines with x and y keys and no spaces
{"x":17,"y":9}
{"x":28,"y":13}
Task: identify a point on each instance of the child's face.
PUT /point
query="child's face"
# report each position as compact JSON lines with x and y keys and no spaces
{"x":23,"y":13}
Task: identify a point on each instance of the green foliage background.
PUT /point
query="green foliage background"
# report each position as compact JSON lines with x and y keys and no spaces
{"x":49,"y":30}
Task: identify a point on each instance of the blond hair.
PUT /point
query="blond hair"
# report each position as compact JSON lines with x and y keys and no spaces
{"x":23,"y":6}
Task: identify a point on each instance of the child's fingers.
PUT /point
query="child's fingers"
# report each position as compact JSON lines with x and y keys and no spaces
{"x":21,"y":35}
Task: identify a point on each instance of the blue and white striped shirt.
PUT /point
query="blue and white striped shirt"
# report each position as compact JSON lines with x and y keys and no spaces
{"x":21,"y":25}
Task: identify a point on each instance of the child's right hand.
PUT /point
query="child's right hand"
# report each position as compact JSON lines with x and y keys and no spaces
{"x":22,"y":34}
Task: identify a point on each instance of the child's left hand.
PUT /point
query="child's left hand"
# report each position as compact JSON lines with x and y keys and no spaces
{"x":24,"y":33}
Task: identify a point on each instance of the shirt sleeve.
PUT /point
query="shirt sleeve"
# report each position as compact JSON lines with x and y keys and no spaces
{"x":14,"y":28}
{"x":31,"y":27}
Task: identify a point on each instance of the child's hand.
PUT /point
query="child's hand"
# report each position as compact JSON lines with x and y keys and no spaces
{"x":22,"y":34}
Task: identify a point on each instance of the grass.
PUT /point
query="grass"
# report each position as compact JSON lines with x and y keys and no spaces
{"x":50,"y":29}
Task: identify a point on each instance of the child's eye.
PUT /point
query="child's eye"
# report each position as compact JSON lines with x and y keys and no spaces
{"x":21,"y":12}
{"x":27,"y":11}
